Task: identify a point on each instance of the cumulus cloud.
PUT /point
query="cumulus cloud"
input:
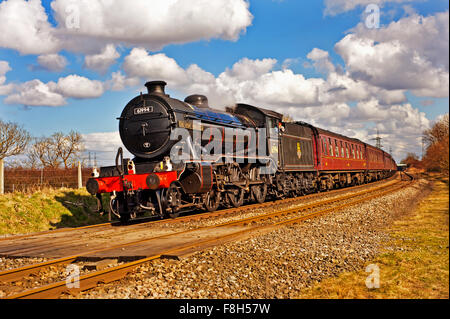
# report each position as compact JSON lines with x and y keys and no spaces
{"x":409,"y":54}
{"x":87,"y":26}
{"x":52,"y":62}
{"x":102,"y":61}
{"x":141,"y":64}
{"x":253,"y":81}
{"x":156,"y":23}
{"x":24,"y":27}
{"x":4,"y":88}
{"x":78,"y":87}
{"x":322,"y":61}
{"x":37,"y":93}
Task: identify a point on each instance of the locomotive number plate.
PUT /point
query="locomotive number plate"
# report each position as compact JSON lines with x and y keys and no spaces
{"x":143,"y":110}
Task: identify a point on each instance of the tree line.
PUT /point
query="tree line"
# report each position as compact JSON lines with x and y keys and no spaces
{"x":436,"y":156}
{"x":55,"y":151}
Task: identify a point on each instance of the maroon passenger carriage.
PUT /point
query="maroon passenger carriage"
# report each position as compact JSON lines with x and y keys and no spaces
{"x":304,"y":158}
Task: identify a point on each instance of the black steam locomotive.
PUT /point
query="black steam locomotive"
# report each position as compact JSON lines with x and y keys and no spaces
{"x":243,"y":154}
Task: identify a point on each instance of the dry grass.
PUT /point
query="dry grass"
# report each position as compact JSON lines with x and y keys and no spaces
{"x":26,"y":212}
{"x":414,"y":263}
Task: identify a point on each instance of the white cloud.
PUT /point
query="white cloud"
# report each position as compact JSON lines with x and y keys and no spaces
{"x":35,"y":93}
{"x":24,"y":27}
{"x":78,"y":87}
{"x":52,"y":62}
{"x":322,"y":61}
{"x":410,"y":54}
{"x":102,"y":61}
{"x":140,"y":64}
{"x":119,"y":81}
{"x":4,"y":67}
{"x":152,"y":24}
{"x":4,"y":88}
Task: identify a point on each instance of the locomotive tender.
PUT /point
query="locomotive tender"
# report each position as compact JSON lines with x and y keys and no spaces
{"x":275,"y":159}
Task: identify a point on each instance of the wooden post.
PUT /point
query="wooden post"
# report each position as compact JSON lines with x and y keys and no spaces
{"x":80,"y":180}
{"x":2,"y":177}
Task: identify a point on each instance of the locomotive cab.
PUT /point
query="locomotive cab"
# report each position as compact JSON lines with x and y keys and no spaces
{"x":268,"y":119}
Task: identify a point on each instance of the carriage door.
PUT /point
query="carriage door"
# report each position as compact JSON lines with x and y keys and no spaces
{"x":273,"y":139}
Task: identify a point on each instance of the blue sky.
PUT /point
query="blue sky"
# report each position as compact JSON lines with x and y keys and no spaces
{"x":285,"y":31}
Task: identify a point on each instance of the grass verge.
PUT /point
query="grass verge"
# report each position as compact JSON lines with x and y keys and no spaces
{"x":413,"y":264}
{"x":22,"y":213}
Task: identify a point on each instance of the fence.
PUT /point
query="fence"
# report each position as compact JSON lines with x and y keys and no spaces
{"x":20,"y":179}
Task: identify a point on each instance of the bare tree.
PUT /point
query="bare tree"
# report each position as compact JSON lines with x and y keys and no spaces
{"x":13,"y":139}
{"x":56,"y":150}
{"x":68,"y":147}
{"x":438,"y":132}
{"x":43,"y":151}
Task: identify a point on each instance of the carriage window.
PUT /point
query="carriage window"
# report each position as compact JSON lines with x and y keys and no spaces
{"x":353,"y":151}
{"x":342,"y":150}
{"x":346,"y":149}
{"x":331,"y":147}
{"x":336,"y":147}
{"x":325,"y":145}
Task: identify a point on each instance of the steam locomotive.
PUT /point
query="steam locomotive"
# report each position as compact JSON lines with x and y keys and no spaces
{"x":256,"y":157}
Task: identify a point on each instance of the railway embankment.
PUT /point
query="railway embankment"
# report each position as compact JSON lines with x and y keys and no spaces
{"x":28,"y":212}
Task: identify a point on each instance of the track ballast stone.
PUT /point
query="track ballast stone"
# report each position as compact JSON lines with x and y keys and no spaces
{"x":273,"y":265}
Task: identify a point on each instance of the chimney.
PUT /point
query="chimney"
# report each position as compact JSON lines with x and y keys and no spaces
{"x":197,"y":100}
{"x":156,"y":87}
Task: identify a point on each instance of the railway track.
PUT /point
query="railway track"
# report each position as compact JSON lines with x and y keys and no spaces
{"x":205,"y":236}
{"x":143,"y":222}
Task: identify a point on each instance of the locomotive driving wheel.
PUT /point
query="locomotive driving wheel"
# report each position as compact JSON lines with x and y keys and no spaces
{"x":259,"y":193}
{"x":172,"y":201}
{"x":236,"y":197}
{"x":212,"y":200}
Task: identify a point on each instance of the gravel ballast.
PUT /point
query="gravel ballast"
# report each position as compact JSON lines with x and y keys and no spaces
{"x":273,"y":265}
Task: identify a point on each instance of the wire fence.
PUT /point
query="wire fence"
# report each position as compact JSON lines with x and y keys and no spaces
{"x":26,"y":180}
